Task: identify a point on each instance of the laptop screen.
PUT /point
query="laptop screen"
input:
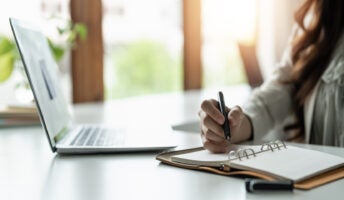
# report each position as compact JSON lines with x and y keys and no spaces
{"x":42,"y":72}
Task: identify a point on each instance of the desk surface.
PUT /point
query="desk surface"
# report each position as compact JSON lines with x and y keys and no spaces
{"x":29,"y":170}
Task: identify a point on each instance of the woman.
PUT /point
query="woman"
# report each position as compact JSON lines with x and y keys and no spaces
{"x":308,"y":83}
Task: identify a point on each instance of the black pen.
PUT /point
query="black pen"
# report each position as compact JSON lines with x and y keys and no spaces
{"x":255,"y":185}
{"x":225,"y":125}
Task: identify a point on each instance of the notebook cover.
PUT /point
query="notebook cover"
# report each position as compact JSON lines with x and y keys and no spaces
{"x":310,"y":183}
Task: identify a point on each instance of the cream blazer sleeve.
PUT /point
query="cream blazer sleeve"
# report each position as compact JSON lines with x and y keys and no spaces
{"x":271,"y":103}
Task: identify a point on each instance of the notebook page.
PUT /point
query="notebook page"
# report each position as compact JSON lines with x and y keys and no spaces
{"x":292,"y":163}
{"x":207,"y":158}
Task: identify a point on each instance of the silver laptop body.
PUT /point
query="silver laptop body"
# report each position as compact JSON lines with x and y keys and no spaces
{"x":63,"y":135}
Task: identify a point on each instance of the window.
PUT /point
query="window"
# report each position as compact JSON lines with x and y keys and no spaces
{"x":143,"y":47}
{"x":224,"y":24}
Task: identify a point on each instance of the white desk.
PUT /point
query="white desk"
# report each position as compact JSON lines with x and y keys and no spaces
{"x":29,"y":170}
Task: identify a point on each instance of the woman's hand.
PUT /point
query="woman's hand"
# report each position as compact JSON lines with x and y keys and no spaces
{"x":211,"y":125}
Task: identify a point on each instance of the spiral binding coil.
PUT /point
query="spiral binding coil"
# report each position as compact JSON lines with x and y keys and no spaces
{"x":246,"y":153}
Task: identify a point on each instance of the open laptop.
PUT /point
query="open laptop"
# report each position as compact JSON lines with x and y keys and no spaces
{"x":64,"y":136}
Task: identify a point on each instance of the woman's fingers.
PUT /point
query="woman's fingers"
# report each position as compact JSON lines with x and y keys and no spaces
{"x":210,"y":108}
{"x":235,"y":116}
{"x":212,"y":131}
{"x":209,"y":124}
{"x":210,"y":135}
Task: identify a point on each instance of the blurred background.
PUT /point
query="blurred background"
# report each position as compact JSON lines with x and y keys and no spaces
{"x":151,"y":46}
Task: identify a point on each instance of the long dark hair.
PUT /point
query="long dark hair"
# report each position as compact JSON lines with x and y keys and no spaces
{"x":312,"y":50}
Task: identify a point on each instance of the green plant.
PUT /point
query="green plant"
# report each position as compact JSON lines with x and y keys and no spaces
{"x":143,"y":67}
{"x":70,"y":31}
{"x":9,"y":54}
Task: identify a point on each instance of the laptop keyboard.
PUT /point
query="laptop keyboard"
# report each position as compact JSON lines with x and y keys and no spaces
{"x":98,"y":136}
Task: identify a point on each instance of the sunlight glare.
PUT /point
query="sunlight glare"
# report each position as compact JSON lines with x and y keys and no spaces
{"x":234,"y":19}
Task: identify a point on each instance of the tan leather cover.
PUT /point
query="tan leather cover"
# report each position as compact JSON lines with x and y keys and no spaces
{"x":310,"y":183}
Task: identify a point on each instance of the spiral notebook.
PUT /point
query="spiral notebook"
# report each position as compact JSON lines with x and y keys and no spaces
{"x":272,"y":159}
{"x":307,"y":168}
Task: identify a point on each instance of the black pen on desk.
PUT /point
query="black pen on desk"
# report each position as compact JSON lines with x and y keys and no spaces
{"x":256,"y":185}
{"x":225,"y":125}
